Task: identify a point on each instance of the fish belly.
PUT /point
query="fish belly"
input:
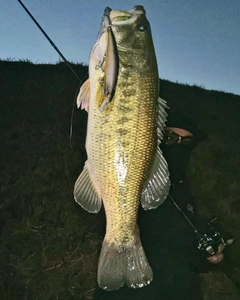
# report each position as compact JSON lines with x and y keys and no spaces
{"x":121,"y":145}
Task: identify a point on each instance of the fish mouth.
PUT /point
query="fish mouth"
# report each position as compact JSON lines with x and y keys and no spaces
{"x":106,"y":49}
{"x":119,"y":17}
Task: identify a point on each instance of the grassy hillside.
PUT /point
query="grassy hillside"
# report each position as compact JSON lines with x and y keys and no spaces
{"x":49,"y":245}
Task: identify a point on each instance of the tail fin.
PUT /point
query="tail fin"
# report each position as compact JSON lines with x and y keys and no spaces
{"x":126,"y":265}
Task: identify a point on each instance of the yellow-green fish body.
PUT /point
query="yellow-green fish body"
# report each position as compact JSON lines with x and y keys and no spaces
{"x":124,"y":163}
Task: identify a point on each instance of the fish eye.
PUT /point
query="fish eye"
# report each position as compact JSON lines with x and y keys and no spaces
{"x":142,"y":27}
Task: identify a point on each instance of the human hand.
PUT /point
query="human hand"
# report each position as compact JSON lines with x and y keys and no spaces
{"x":218,"y":256}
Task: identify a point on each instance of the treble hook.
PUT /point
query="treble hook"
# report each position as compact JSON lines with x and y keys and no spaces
{"x":100,"y":64}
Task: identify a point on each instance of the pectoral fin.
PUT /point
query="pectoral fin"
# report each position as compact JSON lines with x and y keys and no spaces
{"x":85,"y":194}
{"x":83,"y":97}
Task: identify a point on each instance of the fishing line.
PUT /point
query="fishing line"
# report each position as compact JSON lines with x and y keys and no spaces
{"x":48,"y":38}
{"x":184,"y":215}
{"x":61,"y":55}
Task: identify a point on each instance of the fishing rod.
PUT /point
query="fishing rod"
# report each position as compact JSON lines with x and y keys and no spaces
{"x":48,"y":38}
{"x":61,"y":55}
{"x":208,"y":244}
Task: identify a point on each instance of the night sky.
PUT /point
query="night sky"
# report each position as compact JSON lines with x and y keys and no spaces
{"x":196,"y":42}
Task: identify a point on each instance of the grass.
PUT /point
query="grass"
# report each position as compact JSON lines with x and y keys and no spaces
{"x":49,"y":245}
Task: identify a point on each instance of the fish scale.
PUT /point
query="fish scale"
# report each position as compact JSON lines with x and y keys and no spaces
{"x":124,"y":165}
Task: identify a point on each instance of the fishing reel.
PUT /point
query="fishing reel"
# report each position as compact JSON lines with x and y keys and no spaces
{"x":209,"y":242}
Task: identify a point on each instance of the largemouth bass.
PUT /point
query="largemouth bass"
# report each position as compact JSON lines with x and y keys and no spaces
{"x":125,"y":122}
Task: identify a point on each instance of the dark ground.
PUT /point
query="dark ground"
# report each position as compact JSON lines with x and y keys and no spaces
{"x":49,"y":245}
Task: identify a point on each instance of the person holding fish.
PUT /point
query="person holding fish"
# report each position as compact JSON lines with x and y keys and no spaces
{"x":167,"y":238}
{"x":125,"y":165}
